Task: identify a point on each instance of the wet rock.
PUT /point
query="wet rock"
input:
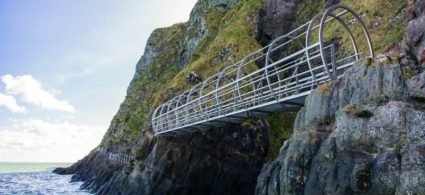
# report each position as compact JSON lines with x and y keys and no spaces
{"x":65,"y":170}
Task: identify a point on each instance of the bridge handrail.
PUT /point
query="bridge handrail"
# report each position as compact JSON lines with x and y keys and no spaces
{"x":120,"y":158}
{"x":225,"y":93}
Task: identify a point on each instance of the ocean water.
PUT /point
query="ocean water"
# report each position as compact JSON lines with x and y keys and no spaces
{"x":36,"y":178}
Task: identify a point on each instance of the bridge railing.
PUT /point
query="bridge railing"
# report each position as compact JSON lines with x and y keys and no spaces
{"x":119,"y":158}
{"x":288,"y":68}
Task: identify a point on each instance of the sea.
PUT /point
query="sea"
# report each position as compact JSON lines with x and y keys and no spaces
{"x":37,"y":179}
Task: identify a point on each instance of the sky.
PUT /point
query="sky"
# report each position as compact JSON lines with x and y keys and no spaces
{"x":64,"y":70}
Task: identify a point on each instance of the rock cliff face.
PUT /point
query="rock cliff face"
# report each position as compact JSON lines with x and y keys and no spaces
{"x":274,"y":16}
{"x":361,"y":134}
{"x":219,"y":161}
{"x":223,"y":160}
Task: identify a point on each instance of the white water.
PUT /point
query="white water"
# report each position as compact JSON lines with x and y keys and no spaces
{"x":40,"y":183}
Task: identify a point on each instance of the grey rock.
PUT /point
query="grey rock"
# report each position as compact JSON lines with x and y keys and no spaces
{"x":412,"y":170}
{"x":197,"y":26}
{"x":416,"y":86}
{"x":210,"y":162}
{"x":420,"y":8}
{"x":193,"y":78}
{"x":415,"y":38}
{"x":385,"y":173}
{"x":275,"y":19}
{"x":356,"y":135}
{"x":204,"y":163}
{"x":415,"y":31}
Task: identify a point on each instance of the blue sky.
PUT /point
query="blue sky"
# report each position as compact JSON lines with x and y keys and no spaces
{"x":64,"y":68}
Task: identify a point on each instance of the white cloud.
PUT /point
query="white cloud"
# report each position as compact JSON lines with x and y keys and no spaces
{"x":75,"y":75}
{"x":9,"y":102}
{"x":35,"y":140}
{"x":32,"y":91}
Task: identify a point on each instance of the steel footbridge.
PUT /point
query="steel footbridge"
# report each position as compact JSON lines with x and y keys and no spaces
{"x":275,"y":78}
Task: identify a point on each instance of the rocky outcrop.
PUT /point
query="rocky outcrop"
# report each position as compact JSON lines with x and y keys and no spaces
{"x":416,"y":87}
{"x":193,"y":78}
{"x":221,"y":161}
{"x":274,"y":18}
{"x":224,"y":160}
{"x":197,"y":28}
{"x":361,"y":134}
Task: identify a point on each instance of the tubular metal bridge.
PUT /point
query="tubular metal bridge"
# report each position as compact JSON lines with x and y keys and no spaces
{"x":275,"y":78}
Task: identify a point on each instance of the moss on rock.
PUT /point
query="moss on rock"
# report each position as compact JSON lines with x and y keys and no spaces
{"x":281,"y":127}
{"x":158,"y":75}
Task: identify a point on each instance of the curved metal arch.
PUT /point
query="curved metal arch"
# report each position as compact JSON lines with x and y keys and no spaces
{"x":181,"y":97}
{"x":220,"y":75}
{"x":307,"y":40}
{"x":201,"y":92}
{"x":170,"y":105}
{"x":353,"y":41}
{"x":178,"y":102}
{"x":188,"y":99}
{"x":162,"y":114}
{"x":155,"y":113}
{"x":162,"y":109}
{"x":322,"y":23}
{"x":238,"y":75}
{"x":167,"y":114}
{"x":155,"y":117}
{"x":270,"y":49}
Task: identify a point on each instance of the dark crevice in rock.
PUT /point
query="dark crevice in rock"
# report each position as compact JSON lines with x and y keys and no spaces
{"x":364,"y":114}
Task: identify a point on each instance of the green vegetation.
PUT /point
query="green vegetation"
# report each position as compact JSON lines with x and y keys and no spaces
{"x":281,"y":127}
{"x":147,"y":84}
{"x":115,"y":139}
{"x":232,"y":31}
{"x":163,"y":78}
{"x":390,"y":29}
{"x":382,"y":18}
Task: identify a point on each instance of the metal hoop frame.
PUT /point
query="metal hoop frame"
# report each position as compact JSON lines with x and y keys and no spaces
{"x":238,"y":94}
